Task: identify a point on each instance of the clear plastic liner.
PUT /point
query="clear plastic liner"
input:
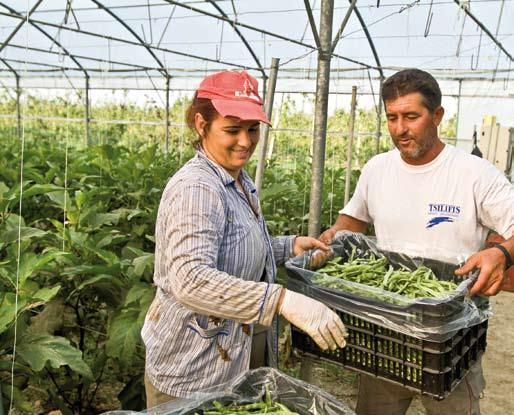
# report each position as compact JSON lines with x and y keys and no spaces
{"x":251,"y":386}
{"x":436,"y":319}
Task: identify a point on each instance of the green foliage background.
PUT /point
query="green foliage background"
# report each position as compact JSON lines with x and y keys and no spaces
{"x":81,"y":243}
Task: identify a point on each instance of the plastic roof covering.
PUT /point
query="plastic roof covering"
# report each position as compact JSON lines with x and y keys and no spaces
{"x":154,"y":38}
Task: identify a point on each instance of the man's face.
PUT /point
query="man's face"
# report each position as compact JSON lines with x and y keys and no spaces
{"x":413,"y":128}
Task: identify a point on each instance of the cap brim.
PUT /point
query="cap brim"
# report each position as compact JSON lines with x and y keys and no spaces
{"x":244,"y":110}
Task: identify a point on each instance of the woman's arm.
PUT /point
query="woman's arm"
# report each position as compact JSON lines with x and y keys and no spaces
{"x":189,"y":235}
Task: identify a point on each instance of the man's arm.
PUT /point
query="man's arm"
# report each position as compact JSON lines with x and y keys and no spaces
{"x":492,"y":263}
{"x":343,"y":222}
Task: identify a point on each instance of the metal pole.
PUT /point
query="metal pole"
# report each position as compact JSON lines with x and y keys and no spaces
{"x":167,"y":142}
{"x":458,"y":114}
{"x":18,"y":106}
{"x":88,"y":118}
{"x":268,"y":107}
{"x":320,"y":116}
{"x":349,"y":147}
{"x":379,"y":117}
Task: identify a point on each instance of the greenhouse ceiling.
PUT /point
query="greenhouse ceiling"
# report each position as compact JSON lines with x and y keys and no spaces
{"x":167,"y":38}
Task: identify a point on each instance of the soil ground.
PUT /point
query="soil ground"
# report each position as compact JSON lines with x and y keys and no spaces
{"x":498,"y":365}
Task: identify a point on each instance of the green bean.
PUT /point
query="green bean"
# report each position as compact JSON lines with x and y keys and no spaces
{"x":377,"y":272}
{"x":266,"y":406}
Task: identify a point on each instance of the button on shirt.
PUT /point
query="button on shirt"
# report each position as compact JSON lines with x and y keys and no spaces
{"x":212,"y":248}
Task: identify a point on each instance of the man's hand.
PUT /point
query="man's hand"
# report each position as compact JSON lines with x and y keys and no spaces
{"x":327,"y":236}
{"x":343,"y":222}
{"x":491,"y":263}
{"x":508,"y":283}
{"x":305,"y":243}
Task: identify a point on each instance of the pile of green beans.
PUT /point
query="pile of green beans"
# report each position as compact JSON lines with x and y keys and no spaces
{"x":267,"y":406}
{"x":377,"y":272}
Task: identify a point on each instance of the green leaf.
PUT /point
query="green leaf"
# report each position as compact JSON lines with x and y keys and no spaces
{"x":24,"y":233}
{"x":39,"y":349}
{"x":7,"y":309}
{"x":19,"y":400}
{"x":13,"y":221}
{"x":102,"y":219}
{"x":114,"y":269}
{"x":80,"y":198}
{"x":3,"y":188}
{"x":39,"y":189}
{"x":140,"y":293}
{"x":124,"y":335}
{"x":61,"y":199}
{"x":112,"y":280}
{"x":277,"y":189}
{"x":30,"y":262}
{"x":46,"y":294}
{"x":142,"y":262}
{"x":136,"y":213}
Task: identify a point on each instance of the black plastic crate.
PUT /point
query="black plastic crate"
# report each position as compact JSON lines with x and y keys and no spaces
{"x":428,"y":367}
{"x":427,"y":315}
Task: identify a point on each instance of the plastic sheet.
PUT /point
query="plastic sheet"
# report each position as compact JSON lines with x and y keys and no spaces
{"x":250,"y":387}
{"x":435,"y":319}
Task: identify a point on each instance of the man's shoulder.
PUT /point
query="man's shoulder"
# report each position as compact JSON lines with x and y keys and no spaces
{"x":467,"y":163}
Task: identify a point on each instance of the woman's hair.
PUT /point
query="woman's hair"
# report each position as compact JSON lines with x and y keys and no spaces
{"x":204,"y":107}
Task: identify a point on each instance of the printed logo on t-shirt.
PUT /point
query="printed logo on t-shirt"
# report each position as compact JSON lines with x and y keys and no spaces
{"x":442,"y":213}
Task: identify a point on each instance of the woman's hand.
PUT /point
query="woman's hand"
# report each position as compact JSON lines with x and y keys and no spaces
{"x":314,"y":318}
{"x":305,"y":243}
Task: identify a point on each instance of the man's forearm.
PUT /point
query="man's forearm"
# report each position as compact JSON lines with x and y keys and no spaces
{"x":349,"y":223}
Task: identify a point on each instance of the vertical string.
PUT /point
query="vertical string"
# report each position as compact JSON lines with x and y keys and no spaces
{"x":333,"y":163}
{"x":65,"y":210}
{"x":18,"y":253}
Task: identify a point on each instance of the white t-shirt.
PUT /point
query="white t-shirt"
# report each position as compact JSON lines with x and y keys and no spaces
{"x":441,"y":210}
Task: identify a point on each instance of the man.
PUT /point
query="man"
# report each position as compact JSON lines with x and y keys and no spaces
{"x":429,"y":199}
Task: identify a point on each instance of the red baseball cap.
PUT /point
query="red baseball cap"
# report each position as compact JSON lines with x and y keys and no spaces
{"x":234,"y":94}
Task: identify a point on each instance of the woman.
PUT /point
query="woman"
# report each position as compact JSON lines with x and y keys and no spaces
{"x":215,"y":263}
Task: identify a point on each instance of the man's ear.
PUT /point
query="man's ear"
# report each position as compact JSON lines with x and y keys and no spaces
{"x":200,"y":124}
{"x":438,"y":115}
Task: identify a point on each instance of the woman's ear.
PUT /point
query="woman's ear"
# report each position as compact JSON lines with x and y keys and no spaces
{"x":200,"y":124}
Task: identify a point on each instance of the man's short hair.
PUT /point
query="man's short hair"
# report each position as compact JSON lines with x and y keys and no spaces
{"x":409,"y":81}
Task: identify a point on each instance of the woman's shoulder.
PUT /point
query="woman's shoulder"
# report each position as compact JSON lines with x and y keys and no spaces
{"x":194,"y":175}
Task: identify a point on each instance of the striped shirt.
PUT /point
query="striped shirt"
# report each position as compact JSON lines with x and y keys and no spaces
{"x":215,"y":267}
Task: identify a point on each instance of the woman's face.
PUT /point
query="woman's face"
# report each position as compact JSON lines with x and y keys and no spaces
{"x":228,"y":141}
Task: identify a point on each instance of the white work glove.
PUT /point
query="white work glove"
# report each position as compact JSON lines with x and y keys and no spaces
{"x":315,"y":318}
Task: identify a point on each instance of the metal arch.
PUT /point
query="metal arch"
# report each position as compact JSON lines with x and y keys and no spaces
{"x":17,"y":28}
{"x":266,"y":32}
{"x":72,"y":57}
{"x":370,"y":41}
{"x":90,"y":58}
{"x":343,"y":25}
{"x":4,"y":43}
{"x":133,"y":33}
{"x":243,"y":39}
{"x":482,"y":26}
{"x":312,"y":23}
{"x":9,"y":67}
{"x":127,"y":42}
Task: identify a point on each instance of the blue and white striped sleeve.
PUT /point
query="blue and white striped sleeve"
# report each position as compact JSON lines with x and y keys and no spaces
{"x":282,"y":248}
{"x":194,"y":218}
